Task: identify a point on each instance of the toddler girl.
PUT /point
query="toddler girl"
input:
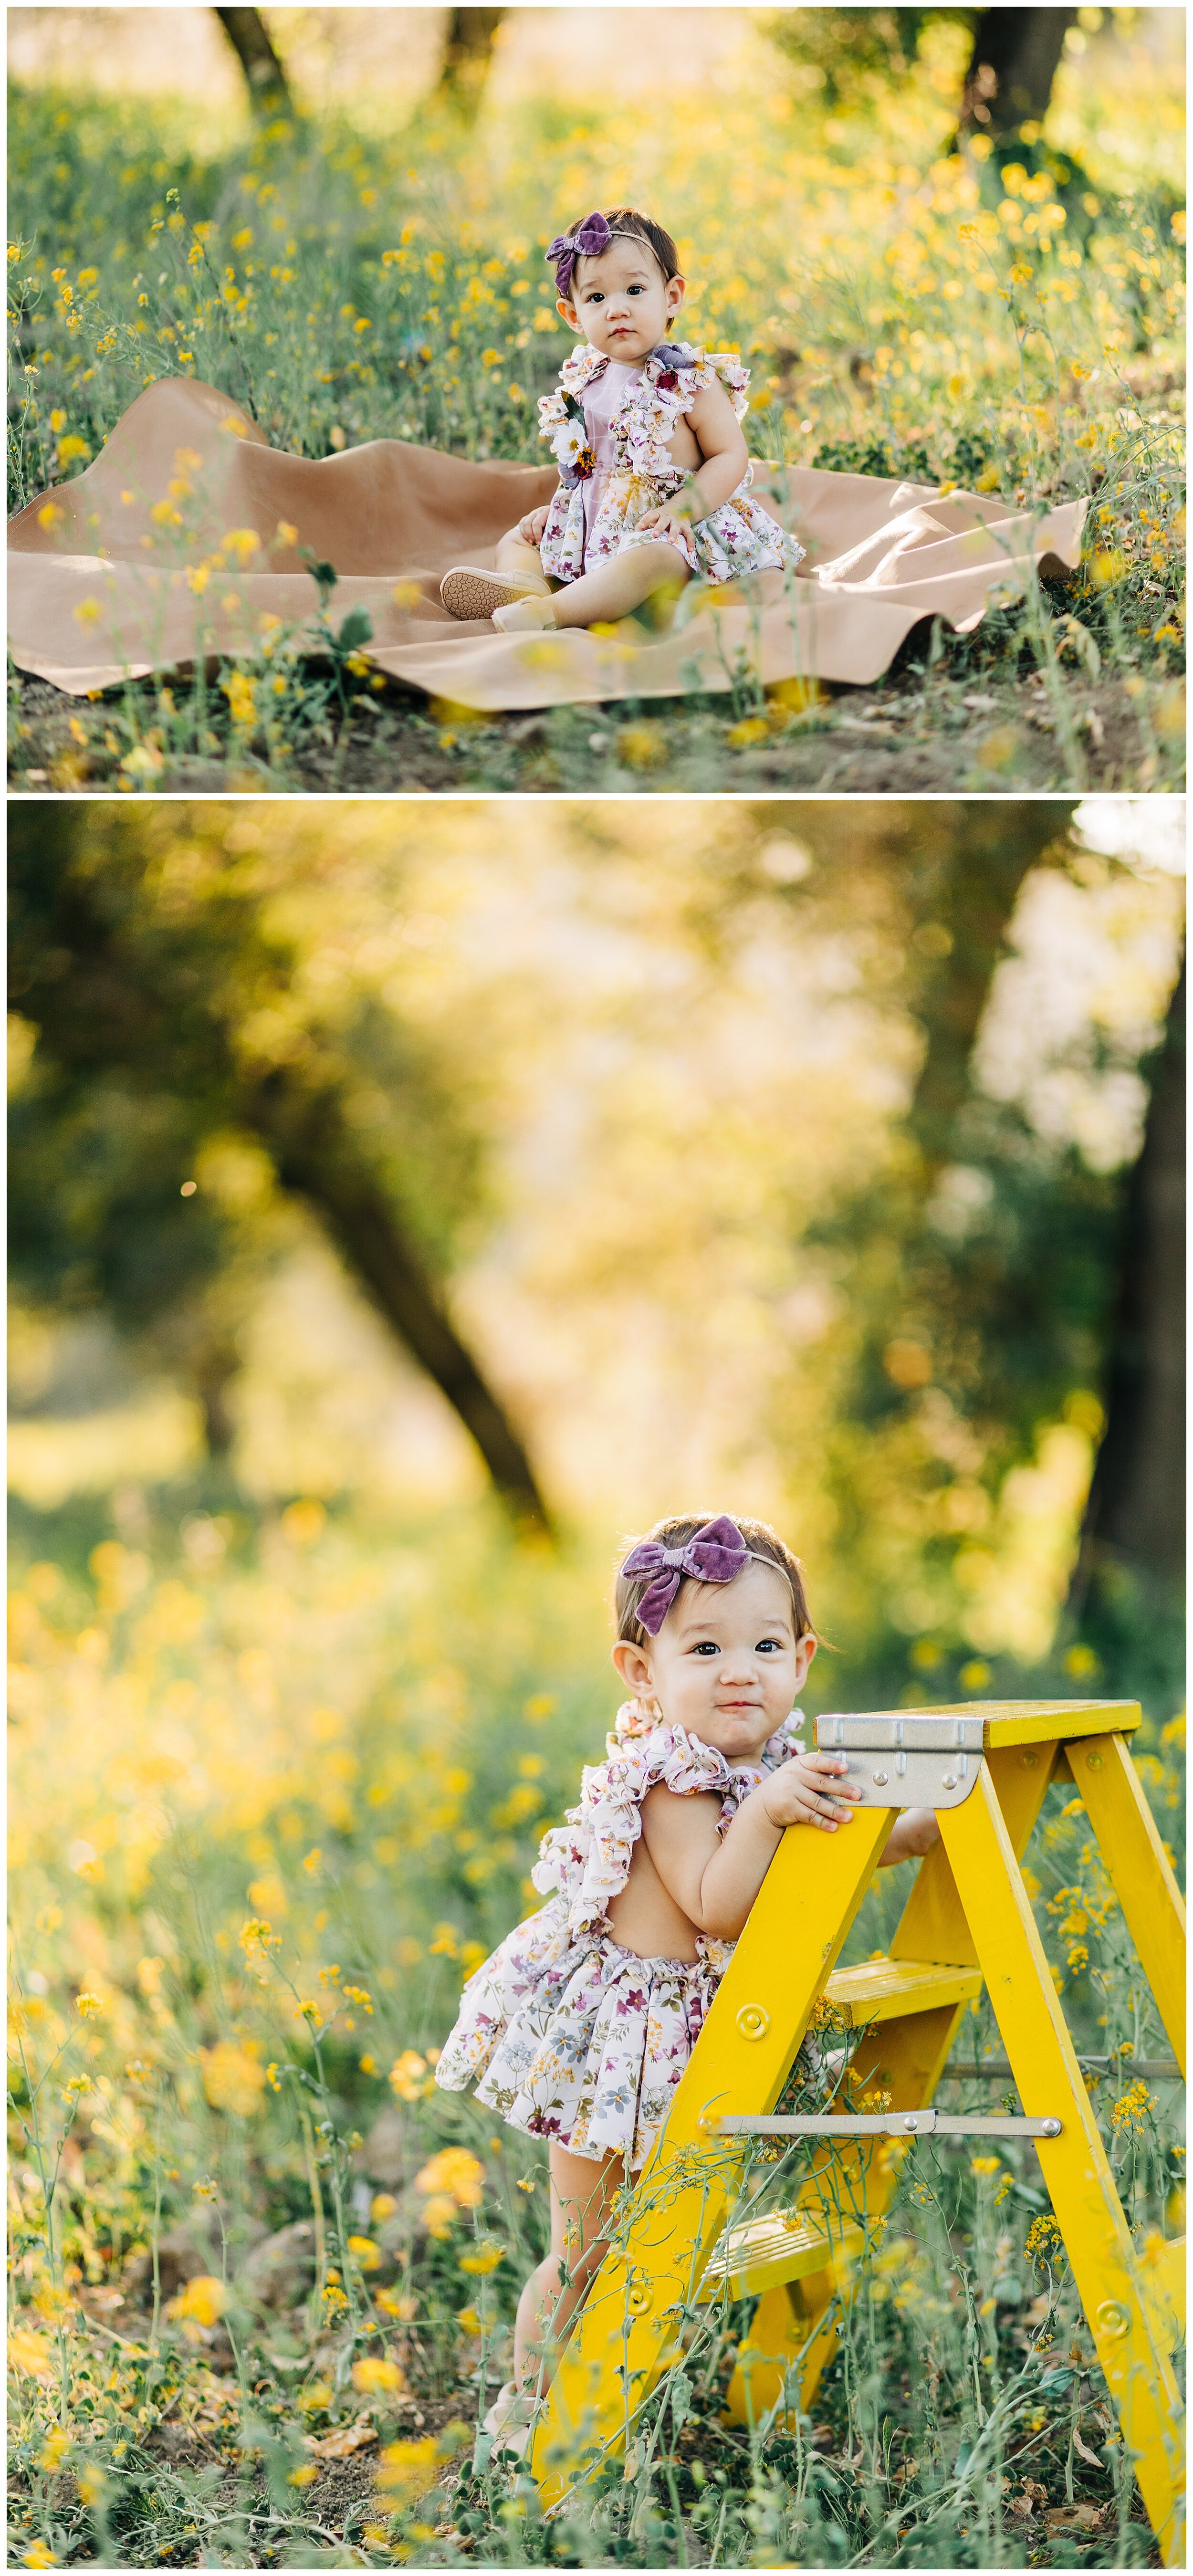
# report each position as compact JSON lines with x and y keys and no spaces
{"x":579,"y":2027}
{"x":654,"y":473}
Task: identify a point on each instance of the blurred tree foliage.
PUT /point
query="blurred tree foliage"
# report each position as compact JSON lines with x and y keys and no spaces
{"x":993,"y":1281}
{"x":170,"y":1027}
{"x":1014,"y":54}
{"x":195,"y":1005}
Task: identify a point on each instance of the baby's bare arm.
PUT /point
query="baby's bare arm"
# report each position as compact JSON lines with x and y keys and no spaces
{"x":912,"y":1834}
{"x":714,"y":1877}
{"x":724,"y":456}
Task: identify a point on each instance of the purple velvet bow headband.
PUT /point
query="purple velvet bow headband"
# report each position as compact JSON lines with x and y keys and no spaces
{"x":716,"y":1554}
{"x":590,"y":241}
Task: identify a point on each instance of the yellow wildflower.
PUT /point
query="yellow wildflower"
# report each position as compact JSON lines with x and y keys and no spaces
{"x":31,"y":2353}
{"x":202,"y":2302}
{"x":401,"y":2306}
{"x":373,"y":2374}
{"x":439,"y":2215}
{"x":454,"y":2170}
{"x":483,"y":2259}
{"x":233,"y":2077}
{"x":409,"y":2469}
{"x":241,"y":694}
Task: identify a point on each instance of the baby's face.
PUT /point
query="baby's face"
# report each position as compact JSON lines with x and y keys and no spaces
{"x":622,"y":302}
{"x":726,"y":1664}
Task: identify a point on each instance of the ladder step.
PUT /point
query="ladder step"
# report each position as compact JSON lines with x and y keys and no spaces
{"x":764,"y":2252}
{"x":884,"y":1989}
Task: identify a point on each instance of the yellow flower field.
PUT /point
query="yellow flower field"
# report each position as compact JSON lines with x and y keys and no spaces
{"x":1005,"y":323}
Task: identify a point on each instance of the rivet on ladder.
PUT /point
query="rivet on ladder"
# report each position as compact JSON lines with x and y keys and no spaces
{"x":1113,"y":2319}
{"x":753,"y":2021}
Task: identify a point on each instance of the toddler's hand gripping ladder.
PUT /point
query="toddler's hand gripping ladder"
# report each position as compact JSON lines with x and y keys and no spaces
{"x":968,"y":1920}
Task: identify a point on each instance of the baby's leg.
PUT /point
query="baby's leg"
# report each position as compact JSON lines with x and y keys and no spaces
{"x":582,"y":2195}
{"x":620,"y":584}
{"x":522,"y":562}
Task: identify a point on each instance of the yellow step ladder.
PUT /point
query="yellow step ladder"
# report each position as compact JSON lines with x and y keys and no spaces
{"x":968,"y":1921}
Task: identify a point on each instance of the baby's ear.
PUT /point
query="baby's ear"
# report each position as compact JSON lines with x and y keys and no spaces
{"x":568,"y":313}
{"x":632,"y":1665}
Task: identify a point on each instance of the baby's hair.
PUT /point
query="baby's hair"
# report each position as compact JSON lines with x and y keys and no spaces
{"x":626,"y":219}
{"x":760,"y":1538}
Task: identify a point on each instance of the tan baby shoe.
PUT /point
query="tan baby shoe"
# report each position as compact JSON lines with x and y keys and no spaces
{"x":529,"y":615}
{"x":469,"y":593}
{"x":509,"y":2420}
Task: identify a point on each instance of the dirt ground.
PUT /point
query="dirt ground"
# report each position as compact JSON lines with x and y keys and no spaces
{"x":943,"y":737}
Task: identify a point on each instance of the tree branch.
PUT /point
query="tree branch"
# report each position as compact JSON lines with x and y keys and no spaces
{"x":315,"y":1155}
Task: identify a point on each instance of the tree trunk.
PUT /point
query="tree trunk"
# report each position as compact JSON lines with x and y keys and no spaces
{"x":269,"y":93}
{"x":1012,"y":68}
{"x":99,"y":1011}
{"x":1135,"y":1514}
{"x":994,"y":847}
{"x":467,"y":55}
{"x":313,"y":1154}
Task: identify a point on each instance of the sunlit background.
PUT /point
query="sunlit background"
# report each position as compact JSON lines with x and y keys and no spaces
{"x":817,"y":1160}
{"x":644,"y":1087}
{"x":1121,"y":67}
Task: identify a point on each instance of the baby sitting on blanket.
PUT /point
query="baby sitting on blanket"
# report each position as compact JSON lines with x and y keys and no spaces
{"x":654,"y":473}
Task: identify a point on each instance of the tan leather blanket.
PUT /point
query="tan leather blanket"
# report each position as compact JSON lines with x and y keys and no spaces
{"x":113,"y":576}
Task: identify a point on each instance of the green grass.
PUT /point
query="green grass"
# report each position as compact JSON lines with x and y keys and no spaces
{"x":351,"y":1732}
{"x":1010,"y":327}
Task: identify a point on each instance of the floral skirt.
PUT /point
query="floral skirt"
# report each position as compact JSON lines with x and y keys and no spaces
{"x":572,"y":2037}
{"x":739,"y":539}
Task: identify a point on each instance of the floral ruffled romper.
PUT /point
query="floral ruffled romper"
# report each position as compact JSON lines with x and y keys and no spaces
{"x":610,"y":428}
{"x":570,"y":2036}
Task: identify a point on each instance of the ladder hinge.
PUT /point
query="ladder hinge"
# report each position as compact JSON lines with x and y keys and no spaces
{"x":913,"y":1761}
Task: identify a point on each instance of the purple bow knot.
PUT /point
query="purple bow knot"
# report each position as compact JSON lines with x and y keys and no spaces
{"x":590,"y":241}
{"x":716,"y":1554}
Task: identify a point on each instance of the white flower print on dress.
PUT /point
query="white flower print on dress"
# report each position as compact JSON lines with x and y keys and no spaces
{"x":738,"y":538}
{"x":563,"y":2031}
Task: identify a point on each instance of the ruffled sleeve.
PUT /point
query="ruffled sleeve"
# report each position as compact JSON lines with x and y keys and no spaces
{"x":726,"y":365}
{"x":588,"y":1857}
{"x":705,"y":367}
